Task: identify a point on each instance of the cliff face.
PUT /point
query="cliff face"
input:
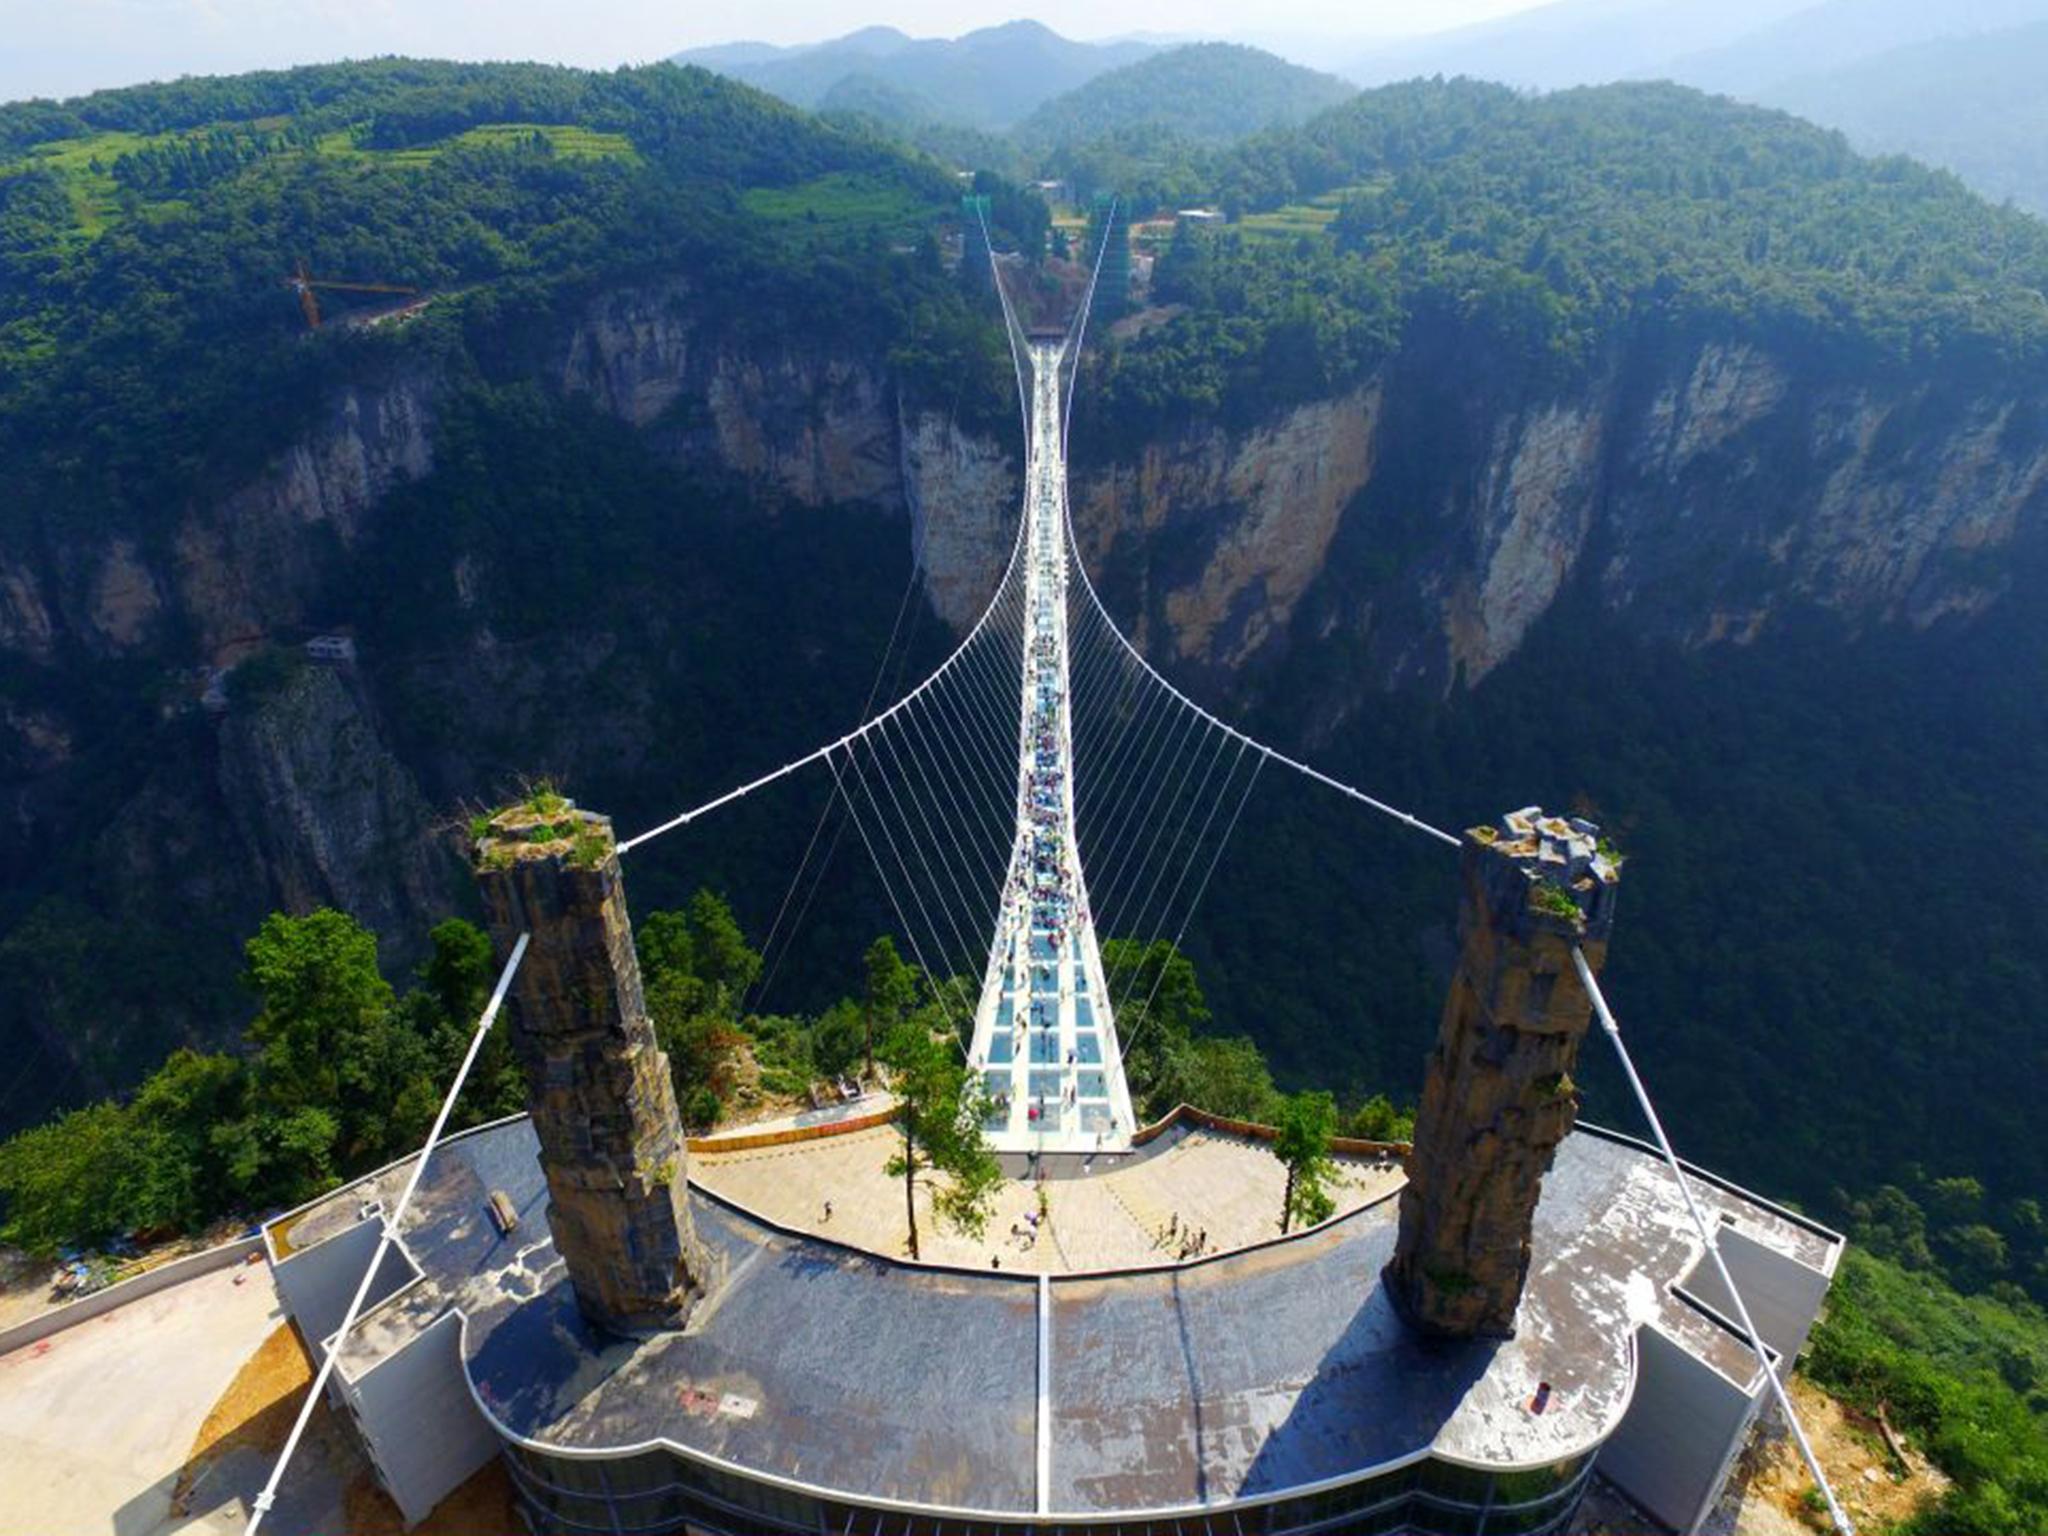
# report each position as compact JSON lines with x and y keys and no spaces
{"x":1261,"y":507}
{"x":1416,"y":526}
{"x":302,"y":796}
{"x":1706,"y":489}
{"x":326,"y":813}
{"x":248,"y":562}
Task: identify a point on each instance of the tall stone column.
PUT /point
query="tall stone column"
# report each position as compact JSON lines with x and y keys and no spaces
{"x":1499,"y":1095}
{"x":597,"y":1085}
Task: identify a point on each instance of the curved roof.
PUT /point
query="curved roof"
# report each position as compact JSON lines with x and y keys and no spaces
{"x":1242,"y":1377}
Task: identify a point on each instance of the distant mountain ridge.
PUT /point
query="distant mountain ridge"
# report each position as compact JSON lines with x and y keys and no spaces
{"x":988,"y":78}
{"x":1209,"y":93}
{"x":1571,"y":42}
{"x":1974,"y":105}
{"x":1839,"y":34}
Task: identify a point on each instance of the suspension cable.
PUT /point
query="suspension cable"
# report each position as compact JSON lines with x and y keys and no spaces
{"x":857,"y":733}
{"x":268,"y":1497}
{"x":1699,"y":1221}
{"x":1230,"y":730}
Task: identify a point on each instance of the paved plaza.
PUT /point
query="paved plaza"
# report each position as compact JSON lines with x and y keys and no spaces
{"x":1138,"y":1209}
{"x":97,"y":1421}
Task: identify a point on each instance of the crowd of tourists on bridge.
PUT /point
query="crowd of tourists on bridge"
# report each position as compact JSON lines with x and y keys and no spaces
{"x":1043,"y":906}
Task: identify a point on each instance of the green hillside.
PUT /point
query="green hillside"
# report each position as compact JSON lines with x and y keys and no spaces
{"x":1208,"y":93}
{"x":147,"y":234}
{"x":1553,"y":221}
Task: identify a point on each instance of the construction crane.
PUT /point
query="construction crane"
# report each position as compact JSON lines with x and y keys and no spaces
{"x":303,"y":283}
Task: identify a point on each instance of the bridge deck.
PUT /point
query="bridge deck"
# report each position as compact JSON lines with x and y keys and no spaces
{"x":1045,"y":1037}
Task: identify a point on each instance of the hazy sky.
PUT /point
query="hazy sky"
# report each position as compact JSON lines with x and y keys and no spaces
{"x":64,"y":47}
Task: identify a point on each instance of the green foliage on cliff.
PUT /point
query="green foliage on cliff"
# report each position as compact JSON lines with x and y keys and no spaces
{"x":1551,"y":226}
{"x":337,"y":1074}
{"x":1205,"y":93}
{"x":146,"y":236}
{"x":1964,"y":1378}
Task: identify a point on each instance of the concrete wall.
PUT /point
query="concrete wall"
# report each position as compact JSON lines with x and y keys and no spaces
{"x":317,"y":1283}
{"x":1344,"y":1146}
{"x":148,"y":1283}
{"x":419,"y":1422}
{"x":1784,"y":1295}
{"x":1681,"y":1433}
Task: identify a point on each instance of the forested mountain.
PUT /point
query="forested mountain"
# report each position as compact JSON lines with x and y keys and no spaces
{"x":989,"y":78}
{"x":1623,"y":449}
{"x":1206,"y":93}
{"x":1951,"y":85}
{"x":1620,"y":448}
{"x":1664,"y":442}
{"x":197,"y":483}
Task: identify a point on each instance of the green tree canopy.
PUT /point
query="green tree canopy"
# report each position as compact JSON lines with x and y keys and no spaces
{"x":328,"y":1035}
{"x":1306,"y":1123}
{"x":940,"y":1109}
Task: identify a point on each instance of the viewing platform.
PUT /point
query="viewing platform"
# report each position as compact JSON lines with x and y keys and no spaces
{"x":826,"y":1384}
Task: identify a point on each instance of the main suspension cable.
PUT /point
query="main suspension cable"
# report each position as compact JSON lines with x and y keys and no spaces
{"x":1706,"y":1232}
{"x":388,"y":1233}
{"x":1273,"y":753}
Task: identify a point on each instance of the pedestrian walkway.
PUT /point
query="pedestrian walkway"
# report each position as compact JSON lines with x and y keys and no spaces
{"x":1045,"y":1039}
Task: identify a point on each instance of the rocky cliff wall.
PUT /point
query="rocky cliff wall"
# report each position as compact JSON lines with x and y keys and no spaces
{"x":1414,"y":527}
{"x":1707,"y":488}
{"x":303,"y":796}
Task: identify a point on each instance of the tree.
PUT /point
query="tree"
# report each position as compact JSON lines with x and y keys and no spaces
{"x":700,"y":949}
{"x":664,"y":947}
{"x":838,"y":1038}
{"x":1168,"y":1011}
{"x":179,"y":1106}
{"x":1226,"y":1076}
{"x":455,"y":983}
{"x":460,"y":971}
{"x":722,"y":960}
{"x":1306,"y":1123}
{"x":329,"y":1038}
{"x":1377,"y":1119}
{"x":698,"y":1040}
{"x":940,"y":1108}
{"x":81,"y":1179}
{"x":889,"y":993}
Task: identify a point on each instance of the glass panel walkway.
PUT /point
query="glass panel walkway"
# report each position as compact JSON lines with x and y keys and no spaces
{"x":1044,"y":1037}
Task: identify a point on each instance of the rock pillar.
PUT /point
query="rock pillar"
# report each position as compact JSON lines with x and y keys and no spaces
{"x":1499,"y":1095}
{"x":597,"y":1085}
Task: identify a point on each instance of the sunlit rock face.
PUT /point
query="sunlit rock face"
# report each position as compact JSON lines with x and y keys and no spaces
{"x":1498,"y":1095}
{"x":1426,"y":520}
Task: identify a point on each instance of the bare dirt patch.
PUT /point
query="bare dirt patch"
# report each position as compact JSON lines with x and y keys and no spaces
{"x":480,"y":1507}
{"x":255,"y":1413}
{"x":1768,"y":1493}
{"x":1877,"y":1490}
